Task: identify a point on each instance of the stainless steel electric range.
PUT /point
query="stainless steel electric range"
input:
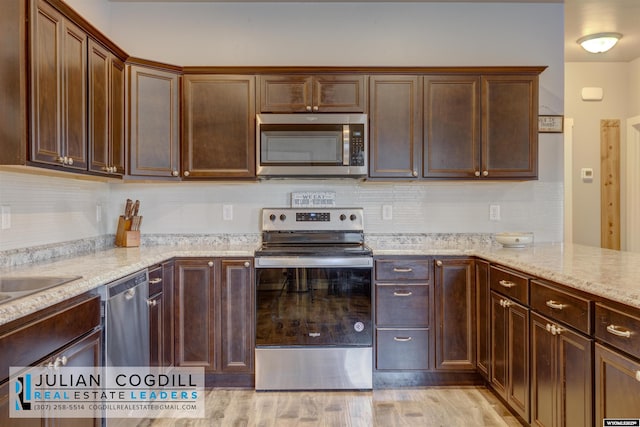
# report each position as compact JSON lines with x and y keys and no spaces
{"x":313,"y":301}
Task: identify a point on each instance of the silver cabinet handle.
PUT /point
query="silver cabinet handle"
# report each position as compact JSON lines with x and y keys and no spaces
{"x":402,"y":270}
{"x":315,"y":108}
{"x":555,"y":305}
{"x":637,"y":375}
{"x":247,"y":264}
{"x":210,"y":263}
{"x":402,"y":293}
{"x":130,"y":294}
{"x":186,"y":173}
{"x":174,"y":173}
{"x":439,"y":263}
{"x":60,"y":361}
{"x":152,"y":302}
{"x":414,"y":173}
{"x":402,"y":339}
{"x":615,"y":330}
{"x":156,"y":280}
{"x":308,"y":108}
{"x":506,"y":283}
{"x":477,"y":173}
{"x":555,"y":330}
{"x":485,"y":173}
{"x":505,"y":303}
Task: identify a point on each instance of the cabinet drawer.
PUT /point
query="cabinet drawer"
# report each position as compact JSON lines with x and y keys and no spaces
{"x":561,"y":306}
{"x":402,"y":269}
{"x":155,"y":280}
{"x":402,"y":305}
{"x":402,"y":348}
{"x":619,"y":329}
{"x":510,"y":283}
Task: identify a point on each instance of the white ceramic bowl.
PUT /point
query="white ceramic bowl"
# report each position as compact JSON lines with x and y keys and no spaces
{"x":514,"y":240}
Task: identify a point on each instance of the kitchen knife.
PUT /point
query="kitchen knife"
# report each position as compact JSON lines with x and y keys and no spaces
{"x":136,"y":207}
{"x":127,"y":209}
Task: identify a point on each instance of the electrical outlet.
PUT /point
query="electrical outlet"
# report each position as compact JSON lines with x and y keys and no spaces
{"x":387,"y":212}
{"x":6,"y":217}
{"x":494,"y":212}
{"x":227,"y":212}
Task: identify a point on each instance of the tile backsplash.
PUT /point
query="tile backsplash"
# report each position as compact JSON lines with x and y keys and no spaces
{"x":47,"y":210}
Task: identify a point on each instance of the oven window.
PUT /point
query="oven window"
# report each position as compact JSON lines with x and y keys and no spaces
{"x":301,"y":144}
{"x":313,"y":306}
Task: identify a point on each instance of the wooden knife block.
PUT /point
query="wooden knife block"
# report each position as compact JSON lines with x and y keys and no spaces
{"x":124,"y":236}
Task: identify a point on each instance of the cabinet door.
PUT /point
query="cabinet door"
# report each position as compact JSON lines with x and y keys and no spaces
{"x":499,"y":345}
{"x":5,"y":420}
{"x":617,"y":385}
{"x":237,"y":308}
{"x":98,"y":107}
{"x":195,"y":314}
{"x":518,"y":357}
{"x":483,"y":316}
{"x":575,"y":379}
{"x":156,"y":327}
{"x":219,"y":126}
{"x":451,"y":127}
{"x":339,"y":94}
{"x":154,"y":139}
{"x":106,"y":111}
{"x":395,"y":136}
{"x":168,"y":329}
{"x":510,"y":126}
{"x":544,"y":378}
{"x":285,"y":94}
{"x":58,"y":90}
{"x":455,"y":314}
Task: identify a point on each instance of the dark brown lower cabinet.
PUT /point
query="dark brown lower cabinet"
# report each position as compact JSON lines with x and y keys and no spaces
{"x":510,"y":353}
{"x":455,"y":314}
{"x":161,"y":327}
{"x":561,"y":379}
{"x":214,"y":321}
{"x":617,"y":385}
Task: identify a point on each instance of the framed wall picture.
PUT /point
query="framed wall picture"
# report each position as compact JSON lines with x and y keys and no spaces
{"x":550,"y":124}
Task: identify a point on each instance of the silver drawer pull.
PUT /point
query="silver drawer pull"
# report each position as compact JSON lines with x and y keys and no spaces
{"x":638,"y":375}
{"x":505,"y":303}
{"x":615,"y":330}
{"x":402,"y":294}
{"x":402,"y":270}
{"x":506,"y":283}
{"x":555,"y":305}
{"x":402,"y":339}
{"x":154,"y":281}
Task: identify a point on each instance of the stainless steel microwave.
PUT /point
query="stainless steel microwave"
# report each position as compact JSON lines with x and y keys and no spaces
{"x":311,"y":145}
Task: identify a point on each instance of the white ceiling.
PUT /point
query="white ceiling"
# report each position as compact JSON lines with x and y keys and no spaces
{"x":582,"y":17}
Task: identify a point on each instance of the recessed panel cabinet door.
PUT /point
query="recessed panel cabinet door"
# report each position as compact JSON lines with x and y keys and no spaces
{"x":509,"y":126}
{"x":395,"y":123}
{"x":219,"y":126}
{"x":154,"y":139}
{"x":451,"y":126}
{"x":617,"y":385}
{"x":58,"y":90}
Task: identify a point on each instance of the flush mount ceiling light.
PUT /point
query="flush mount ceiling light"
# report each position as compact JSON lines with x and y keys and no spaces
{"x":599,"y":43}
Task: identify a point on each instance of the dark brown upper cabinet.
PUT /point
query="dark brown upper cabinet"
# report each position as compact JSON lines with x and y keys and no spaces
{"x":154,"y":122}
{"x":106,"y":111}
{"x":313,"y":94}
{"x":218,"y":126}
{"x":58,"y":90}
{"x":395,"y":126}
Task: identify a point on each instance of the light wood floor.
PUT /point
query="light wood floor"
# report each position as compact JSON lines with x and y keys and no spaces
{"x":432,"y":407}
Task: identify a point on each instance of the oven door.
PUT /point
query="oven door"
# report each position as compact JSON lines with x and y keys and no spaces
{"x":313,"y":305}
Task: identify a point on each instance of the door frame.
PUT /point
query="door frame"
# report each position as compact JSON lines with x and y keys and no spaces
{"x":632,"y":194}
{"x":568,"y":181}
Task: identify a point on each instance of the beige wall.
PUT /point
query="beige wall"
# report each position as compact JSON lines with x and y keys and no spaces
{"x":620,"y":82}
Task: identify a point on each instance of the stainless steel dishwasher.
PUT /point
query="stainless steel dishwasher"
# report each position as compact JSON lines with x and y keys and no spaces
{"x":126,"y":321}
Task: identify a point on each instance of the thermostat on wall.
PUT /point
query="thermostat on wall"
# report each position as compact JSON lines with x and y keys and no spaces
{"x":586,"y":174}
{"x":592,"y":93}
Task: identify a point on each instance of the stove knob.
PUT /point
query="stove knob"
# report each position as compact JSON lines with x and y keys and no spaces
{"x":352,"y":217}
{"x":343,"y":217}
{"x":272,"y":217}
{"x":283,"y":217}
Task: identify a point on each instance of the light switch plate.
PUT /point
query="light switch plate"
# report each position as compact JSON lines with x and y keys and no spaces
{"x":227,"y":212}
{"x":387,"y":212}
{"x":494,"y":212}
{"x":586,"y":174}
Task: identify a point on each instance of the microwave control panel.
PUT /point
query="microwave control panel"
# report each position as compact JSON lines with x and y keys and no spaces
{"x":356,"y":145}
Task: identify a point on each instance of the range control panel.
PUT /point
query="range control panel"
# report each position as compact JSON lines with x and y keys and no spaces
{"x":312,"y":219}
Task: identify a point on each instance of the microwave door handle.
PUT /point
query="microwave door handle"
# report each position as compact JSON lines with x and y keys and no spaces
{"x":345,"y":145}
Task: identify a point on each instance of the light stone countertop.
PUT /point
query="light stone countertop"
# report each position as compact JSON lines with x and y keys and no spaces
{"x":605,"y":273}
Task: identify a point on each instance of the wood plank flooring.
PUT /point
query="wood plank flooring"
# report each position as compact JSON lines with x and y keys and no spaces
{"x":432,"y":407}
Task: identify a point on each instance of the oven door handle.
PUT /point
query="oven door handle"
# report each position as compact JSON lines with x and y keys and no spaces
{"x":310,"y":262}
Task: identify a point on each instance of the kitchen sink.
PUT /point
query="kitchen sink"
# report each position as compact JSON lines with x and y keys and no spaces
{"x":15,"y":287}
